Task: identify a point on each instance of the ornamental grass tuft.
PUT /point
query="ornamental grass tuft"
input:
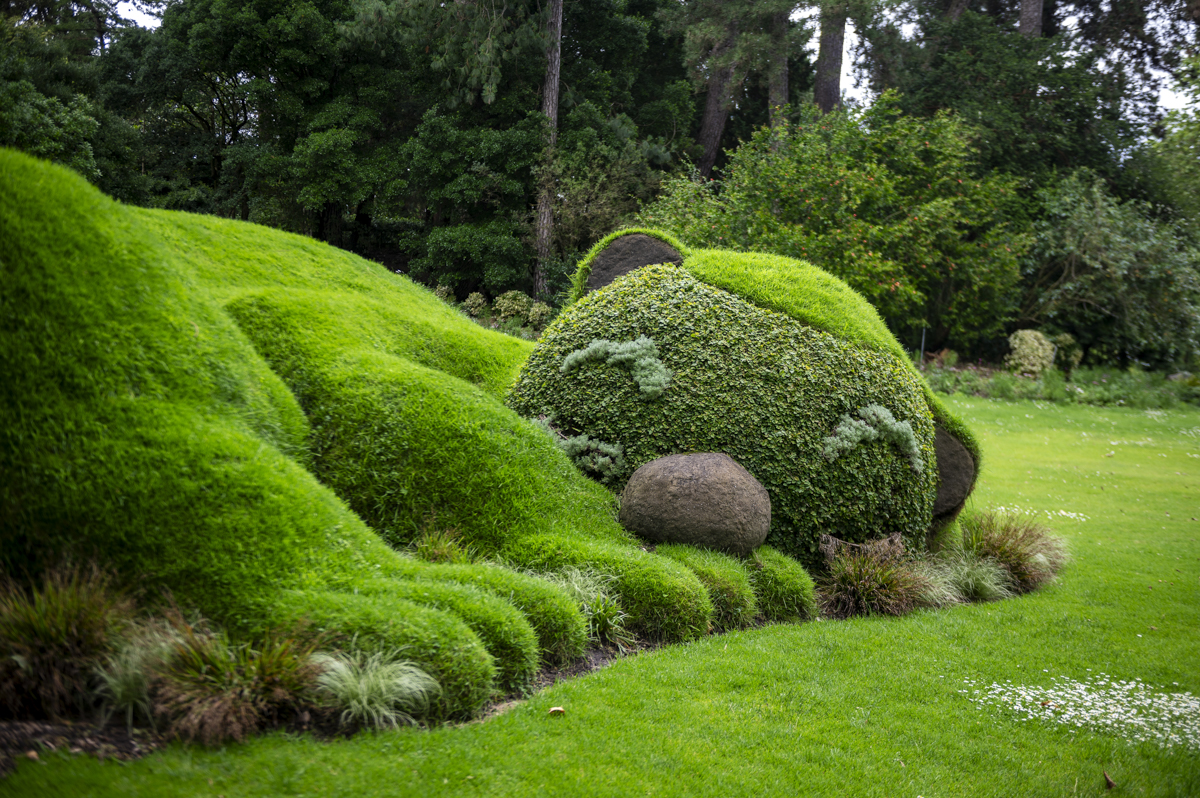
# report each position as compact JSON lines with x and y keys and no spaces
{"x":859,"y":583}
{"x":377,"y":691}
{"x":1026,"y":549}
{"x":54,"y":636}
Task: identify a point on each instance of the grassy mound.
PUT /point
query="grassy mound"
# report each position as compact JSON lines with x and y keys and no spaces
{"x":725,"y":577}
{"x":215,"y":408}
{"x":753,"y":384}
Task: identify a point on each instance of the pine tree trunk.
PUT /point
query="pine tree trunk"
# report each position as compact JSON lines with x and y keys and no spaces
{"x":1031,"y":18}
{"x":827,"y":89}
{"x":957,"y":7}
{"x":544,"y":224}
{"x":777,"y":90}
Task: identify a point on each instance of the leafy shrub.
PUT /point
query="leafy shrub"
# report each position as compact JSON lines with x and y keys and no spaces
{"x":512,"y":305}
{"x":212,"y":690}
{"x":376,"y":690}
{"x":1068,"y":353}
{"x":726,"y":580}
{"x":1026,"y":549}
{"x":540,"y":314}
{"x":53,"y":637}
{"x":1032,"y":353}
{"x":475,"y":303}
{"x":860,"y":583}
{"x":639,"y":356}
{"x":760,"y":387}
{"x":783,"y":589}
{"x":444,"y":293}
{"x":874,"y":423}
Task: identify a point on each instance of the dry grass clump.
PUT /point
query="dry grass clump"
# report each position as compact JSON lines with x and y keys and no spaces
{"x":211,"y":690}
{"x":54,"y":636}
{"x":1026,"y":549}
{"x":865,"y":583}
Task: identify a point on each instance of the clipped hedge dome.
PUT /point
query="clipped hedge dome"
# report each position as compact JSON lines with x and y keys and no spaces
{"x":752,"y":383}
{"x":771,"y":360}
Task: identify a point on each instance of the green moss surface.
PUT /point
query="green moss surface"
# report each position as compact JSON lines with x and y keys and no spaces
{"x":244,"y":416}
{"x":749,"y":382}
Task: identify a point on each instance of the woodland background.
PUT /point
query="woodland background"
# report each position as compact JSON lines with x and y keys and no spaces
{"x":1011,"y":168}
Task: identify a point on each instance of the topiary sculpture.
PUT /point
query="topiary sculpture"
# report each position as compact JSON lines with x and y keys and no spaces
{"x":773,"y":362}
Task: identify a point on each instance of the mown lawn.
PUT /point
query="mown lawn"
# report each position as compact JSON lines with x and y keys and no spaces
{"x":864,"y":708}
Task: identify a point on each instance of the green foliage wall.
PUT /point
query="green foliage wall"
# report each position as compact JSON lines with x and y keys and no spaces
{"x":752,"y":383}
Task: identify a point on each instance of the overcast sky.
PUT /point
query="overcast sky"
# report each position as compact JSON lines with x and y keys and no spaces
{"x":1167,"y":99}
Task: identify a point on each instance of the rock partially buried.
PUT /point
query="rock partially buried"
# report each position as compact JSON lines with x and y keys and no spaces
{"x":705,"y":500}
{"x":956,"y":474}
{"x":629,"y":253}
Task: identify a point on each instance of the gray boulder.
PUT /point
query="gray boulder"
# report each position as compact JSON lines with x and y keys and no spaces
{"x":629,"y":253}
{"x":705,"y":500}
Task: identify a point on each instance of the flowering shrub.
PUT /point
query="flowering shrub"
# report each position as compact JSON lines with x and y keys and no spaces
{"x":475,"y":303}
{"x":512,"y":305}
{"x":1032,"y":353}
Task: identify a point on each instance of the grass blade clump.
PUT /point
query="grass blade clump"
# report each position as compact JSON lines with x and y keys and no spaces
{"x":377,"y":690}
{"x":1026,"y":549}
{"x":53,"y":637}
{"x":127,"y":677}
{"x":862,"y":583}
{"x":598,"y":600}
{"x":974,"y":578}
{"x":213,"y":690}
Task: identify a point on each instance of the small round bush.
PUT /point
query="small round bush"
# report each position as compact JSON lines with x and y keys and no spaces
{"x":1032,"y":353}
{"x":475,"y":303}
{"x":512,"y":305}
{"x":444,"y":293}
{"x":539,"y":315}
{"x":752,"y":383}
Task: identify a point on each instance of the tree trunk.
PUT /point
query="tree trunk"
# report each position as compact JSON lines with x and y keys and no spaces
{"x":544,"y":225}
{"x":957,"y":7}
{"x":722,"y":84}
{"x":1031,"y":18}
{"x":777,"y":90}
{"x":827,"y":88}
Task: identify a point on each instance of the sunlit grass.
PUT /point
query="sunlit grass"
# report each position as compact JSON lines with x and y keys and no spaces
{"x":865,"y":707}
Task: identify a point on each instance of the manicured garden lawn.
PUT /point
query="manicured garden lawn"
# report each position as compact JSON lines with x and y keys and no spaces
{"x":865,"y":707}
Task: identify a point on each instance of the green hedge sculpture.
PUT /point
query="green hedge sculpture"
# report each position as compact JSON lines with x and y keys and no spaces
{"x":773,"y":362}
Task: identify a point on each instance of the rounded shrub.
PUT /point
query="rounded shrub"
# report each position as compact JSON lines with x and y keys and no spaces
{"x":1032,"y":353}
{"x":757,"y":385}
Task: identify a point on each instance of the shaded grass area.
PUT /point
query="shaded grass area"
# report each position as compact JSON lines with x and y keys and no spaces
{"x":864,"y":707}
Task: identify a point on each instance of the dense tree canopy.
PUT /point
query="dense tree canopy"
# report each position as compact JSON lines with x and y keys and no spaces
{"x":445,"y":140}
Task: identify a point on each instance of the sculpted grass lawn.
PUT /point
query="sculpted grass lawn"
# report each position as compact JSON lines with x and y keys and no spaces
{"x":867,"y":707}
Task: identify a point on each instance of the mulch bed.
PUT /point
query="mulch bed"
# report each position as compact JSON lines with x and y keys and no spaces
{"x":33,"y":739}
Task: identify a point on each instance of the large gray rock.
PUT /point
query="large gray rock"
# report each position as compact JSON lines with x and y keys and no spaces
{"x":629,"y":253}
{"x":705,"y":500}
{"x":956,"y":474}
